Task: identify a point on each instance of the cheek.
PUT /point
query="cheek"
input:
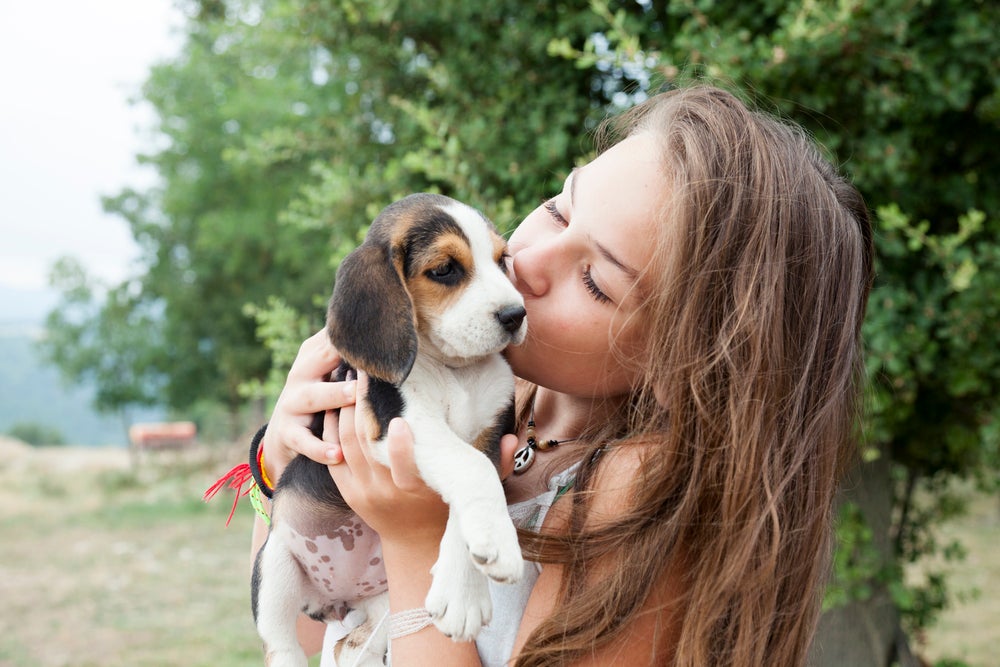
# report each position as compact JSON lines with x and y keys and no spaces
{"x":430,"y":300}
{"x":569,"y":349}
{"x":567,"y":329}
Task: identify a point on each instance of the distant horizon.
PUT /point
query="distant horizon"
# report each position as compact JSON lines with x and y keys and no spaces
{"x":25,"y":307}
{"x":32,"y":392}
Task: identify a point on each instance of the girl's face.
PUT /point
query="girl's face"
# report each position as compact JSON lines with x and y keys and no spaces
{"x":577,"y":259}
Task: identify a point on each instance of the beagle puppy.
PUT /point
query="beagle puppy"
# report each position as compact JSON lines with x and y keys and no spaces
{"x":424,"y":307}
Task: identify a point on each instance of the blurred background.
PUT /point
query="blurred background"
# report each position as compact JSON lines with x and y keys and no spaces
{"x":179,"y":179}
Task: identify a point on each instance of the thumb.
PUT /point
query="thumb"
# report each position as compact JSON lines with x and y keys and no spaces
{"x":399,"y":447}
{"x":508,"y":446}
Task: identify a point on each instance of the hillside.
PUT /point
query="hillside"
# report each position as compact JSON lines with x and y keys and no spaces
{"x":33,"y":392}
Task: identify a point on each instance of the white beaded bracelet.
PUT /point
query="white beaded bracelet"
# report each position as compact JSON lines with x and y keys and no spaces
{"x":407,"y":622}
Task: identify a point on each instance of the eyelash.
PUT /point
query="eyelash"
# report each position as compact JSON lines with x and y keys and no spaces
{"x":595,"y":291}
{"x":588,"y":279}
{"x":550,"y":206}
{"x":502,"y":262}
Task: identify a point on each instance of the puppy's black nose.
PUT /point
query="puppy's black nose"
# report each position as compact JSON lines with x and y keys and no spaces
{"x":511,"y":317}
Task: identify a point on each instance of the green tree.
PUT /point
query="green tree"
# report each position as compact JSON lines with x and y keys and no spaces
{"x":210,"y":234}
{"x":103,"y":338}
{"x":36,"y":434}
{"x":285,"y":126}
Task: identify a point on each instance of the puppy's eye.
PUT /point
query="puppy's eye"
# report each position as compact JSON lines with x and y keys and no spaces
{"x":448,"y":272}
{"x":502,"y":262}
{"x":444,"y":270}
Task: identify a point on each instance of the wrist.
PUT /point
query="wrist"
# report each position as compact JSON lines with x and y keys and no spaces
{"x":262,"y":475}
{"x":408,"y":571}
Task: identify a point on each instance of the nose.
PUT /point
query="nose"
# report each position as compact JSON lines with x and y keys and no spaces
{"x":511,"y":317}
{"x":531,"y":267}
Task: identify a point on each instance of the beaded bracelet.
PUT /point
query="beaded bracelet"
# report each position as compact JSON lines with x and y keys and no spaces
{"x":407,"y":622}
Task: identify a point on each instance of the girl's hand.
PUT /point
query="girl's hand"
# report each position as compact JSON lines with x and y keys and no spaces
{"x":508,"y":447}
{"x":393,"y":499}
{"x":306,"y":392}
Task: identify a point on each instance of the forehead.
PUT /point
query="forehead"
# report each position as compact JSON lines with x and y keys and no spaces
{"x":479,"y":232}
{"x":617,"y":199}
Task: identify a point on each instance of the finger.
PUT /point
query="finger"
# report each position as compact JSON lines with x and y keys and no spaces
{"x":302,"y":441}
{"x":347,"y":432}
{"x":362,"y":415}
{"x":353,"y":429}
{"x":320,"y":396}
{"x":402,"y":463}
{"x":331,"y":438}
{"x":508,"y":446}
{"x":317,"y":357}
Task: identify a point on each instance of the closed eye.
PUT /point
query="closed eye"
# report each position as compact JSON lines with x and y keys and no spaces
{"x":595,"y":291}
{"x":550,"y":206}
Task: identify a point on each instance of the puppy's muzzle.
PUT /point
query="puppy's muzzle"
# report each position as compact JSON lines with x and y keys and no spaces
{"x":511,"y":318}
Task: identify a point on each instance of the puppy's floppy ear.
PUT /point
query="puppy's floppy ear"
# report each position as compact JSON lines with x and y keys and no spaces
{"x":370,"y":319}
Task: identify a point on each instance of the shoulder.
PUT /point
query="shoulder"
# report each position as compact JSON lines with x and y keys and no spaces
{"x":618,"y":472}
{"x":607,"y":494}
{"x":610,"y":503}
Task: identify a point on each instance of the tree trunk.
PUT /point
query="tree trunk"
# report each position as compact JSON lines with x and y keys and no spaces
{"x":865,"y":633}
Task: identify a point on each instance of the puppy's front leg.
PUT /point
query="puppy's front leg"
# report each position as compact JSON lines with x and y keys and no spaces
{"x":459,"y":599}
{"x":468,"y":482}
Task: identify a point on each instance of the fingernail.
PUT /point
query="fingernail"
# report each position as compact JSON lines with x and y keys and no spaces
{"x":333,"y":456}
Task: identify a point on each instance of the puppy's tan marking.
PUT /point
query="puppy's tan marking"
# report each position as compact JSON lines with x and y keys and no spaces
{"x":432,"y":297}
{"x":499,"y":248}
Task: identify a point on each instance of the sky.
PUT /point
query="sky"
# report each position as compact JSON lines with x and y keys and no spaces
{"x":69,"y":135}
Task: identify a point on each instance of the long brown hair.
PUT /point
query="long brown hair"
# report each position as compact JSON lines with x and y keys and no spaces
{"x":745,"y":418}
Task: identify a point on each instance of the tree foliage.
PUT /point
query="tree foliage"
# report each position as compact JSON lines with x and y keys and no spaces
{"x":105,"y":338}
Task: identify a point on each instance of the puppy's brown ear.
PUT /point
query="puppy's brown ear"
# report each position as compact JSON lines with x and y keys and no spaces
{"x":370,"y":318}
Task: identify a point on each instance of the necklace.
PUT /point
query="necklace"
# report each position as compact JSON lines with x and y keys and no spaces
{"x":525,"y":456}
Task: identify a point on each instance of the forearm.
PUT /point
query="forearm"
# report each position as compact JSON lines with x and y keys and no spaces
{"x":272,"y":459}
{"x":408,"y":572}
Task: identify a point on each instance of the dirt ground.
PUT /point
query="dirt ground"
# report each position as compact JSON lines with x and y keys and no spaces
{"x":969,"y":631}
{"x":106,"y":564}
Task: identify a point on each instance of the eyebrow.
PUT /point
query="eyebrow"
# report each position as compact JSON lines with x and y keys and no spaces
{"x":603,"y":250}
{"x":625,"y":268}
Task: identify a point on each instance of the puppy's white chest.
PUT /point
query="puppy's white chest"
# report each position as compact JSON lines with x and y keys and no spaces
{"x":467,"y":398}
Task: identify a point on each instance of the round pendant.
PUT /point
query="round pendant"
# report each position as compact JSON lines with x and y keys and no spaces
{"x":523,"y":458}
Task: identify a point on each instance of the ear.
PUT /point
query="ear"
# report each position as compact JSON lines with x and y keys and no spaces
{"x":370,"y":318}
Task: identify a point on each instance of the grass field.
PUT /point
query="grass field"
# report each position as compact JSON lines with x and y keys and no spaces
{"x":102,"y":564}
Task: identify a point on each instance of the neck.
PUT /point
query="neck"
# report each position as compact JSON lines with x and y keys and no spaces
{"x":562,"y":416}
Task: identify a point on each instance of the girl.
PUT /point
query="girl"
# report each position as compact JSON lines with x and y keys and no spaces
{"x":695,"y":297}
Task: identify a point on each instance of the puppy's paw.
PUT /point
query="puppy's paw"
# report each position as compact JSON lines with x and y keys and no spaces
{"x":459,"y":605}
{"x":494,"y":549}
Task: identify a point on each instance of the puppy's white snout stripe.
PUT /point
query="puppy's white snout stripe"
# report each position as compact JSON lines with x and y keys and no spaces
{"x":511,"y":318}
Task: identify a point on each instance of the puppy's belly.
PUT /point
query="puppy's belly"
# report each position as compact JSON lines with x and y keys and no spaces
{"x":342,"y":558}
